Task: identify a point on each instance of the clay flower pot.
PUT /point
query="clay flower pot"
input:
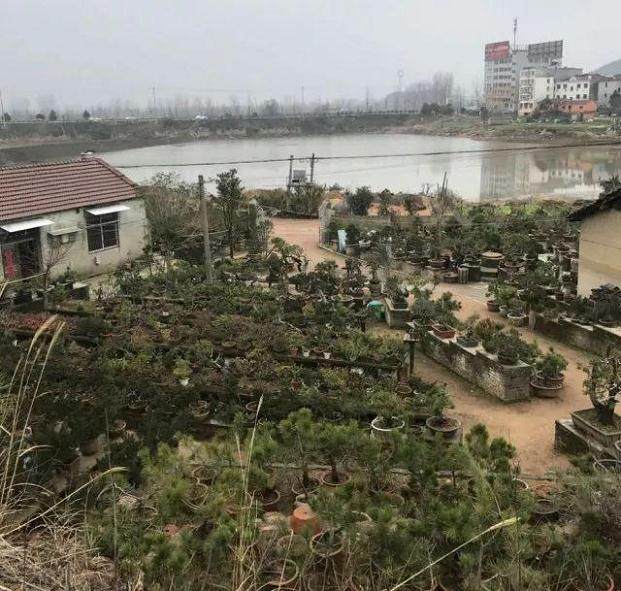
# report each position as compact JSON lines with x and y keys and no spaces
{"x":326,"y":479}
{"x":446,"y":426}
{"x":443,"y":332}
{"x":303,"y":519}
{"x":270,"y":499}
{"x":328,"y":544}
{"x":493,"y":306}
{"x":379,"y":425}
{"x":281,"y":574}
{"x":90,"y":446}
{"x":546,"y":387}
{"x":544,"y":510}
{"x":117,"y":428}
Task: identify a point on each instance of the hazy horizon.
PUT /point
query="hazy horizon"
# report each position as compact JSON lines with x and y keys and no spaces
{"x":67,"y":54}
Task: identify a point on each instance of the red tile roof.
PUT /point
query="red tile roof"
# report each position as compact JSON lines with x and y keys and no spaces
{"x":34,"y":189}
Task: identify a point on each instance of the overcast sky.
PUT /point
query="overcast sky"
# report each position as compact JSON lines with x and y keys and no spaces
{"x":91,"y":52}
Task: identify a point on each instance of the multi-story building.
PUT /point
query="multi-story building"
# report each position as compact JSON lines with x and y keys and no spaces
{"x":578,"y":88}
{"x":503,"y":69}
{"x":539,"y":83}
{"x":606,"y":88}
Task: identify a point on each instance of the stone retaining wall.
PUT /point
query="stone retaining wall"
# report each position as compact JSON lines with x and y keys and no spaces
{"x":594,"y":339}
{"x":509,"y":383}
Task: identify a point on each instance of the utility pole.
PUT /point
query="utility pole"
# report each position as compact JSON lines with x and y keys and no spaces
{"x":205,"y":225}
{"x":312,"y":168}
{"x":302,"y":97}
{"x":2,"y":110}
{"x":289,"y":180}
{"x":154,"y":99}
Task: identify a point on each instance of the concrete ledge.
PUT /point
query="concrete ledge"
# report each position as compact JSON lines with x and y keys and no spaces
{"x":594,"y":339}
{"x":397,"y":317}
{"x":508,"y":383}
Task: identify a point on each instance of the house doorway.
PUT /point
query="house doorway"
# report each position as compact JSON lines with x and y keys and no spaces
{"x":21,"y":254}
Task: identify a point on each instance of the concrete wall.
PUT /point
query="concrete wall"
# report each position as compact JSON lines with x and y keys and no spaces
{"x":600,"y":251}
{"x":132,"y":239}
{"x":509,"y":383}
{"x":594,"y":339}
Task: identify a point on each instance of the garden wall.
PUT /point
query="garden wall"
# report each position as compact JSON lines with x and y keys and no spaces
{"x":594,"y":339}
{"x":509,"y":383}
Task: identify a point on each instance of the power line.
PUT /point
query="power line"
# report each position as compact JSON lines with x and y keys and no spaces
{"x":369,"y":156}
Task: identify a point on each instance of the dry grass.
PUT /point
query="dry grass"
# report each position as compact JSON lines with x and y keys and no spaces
{"x":40,"y":547}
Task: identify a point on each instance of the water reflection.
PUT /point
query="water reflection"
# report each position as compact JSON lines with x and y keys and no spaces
{"x":475,"y":175}
{"x":562,"y":172}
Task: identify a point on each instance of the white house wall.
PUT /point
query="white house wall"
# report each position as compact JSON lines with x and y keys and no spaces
{"x":75,"y":256}
{"x":600,"y":251}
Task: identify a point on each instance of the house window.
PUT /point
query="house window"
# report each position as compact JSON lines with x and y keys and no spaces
{"x":102,"y":231}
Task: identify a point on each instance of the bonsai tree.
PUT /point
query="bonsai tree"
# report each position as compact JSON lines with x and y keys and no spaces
{"x":324,"y":279}
{"x":360,"y":201}
{"x":551,"y":366}
{"x":299,"y":435}
{"x":389,"y":407}
{"x":338,"y":443}
{"x":502,"y":293}
{"x":396,"y":292}
{"x":603,"y":386}
{"x":353,"y":234}
{"x":182,"y":371}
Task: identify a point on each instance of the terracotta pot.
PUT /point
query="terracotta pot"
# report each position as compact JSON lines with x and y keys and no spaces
{"x":117,"y":428}
{"x":493,"y":306}
{"x":90,"y":446}
{"x":443,"y":332}
{"x":326,"y":479}
{"x":403,"y":389}
{"x":297,"y":488}
{"x":303,"y":519}
{"x":447,"y":426}
{"x":333,"y":549}
{"x":546,"y":387}
{"x":545,"y":509}
{"x":270,"y":499}
{"x":282,"y":574}
{"x":229,"y":346}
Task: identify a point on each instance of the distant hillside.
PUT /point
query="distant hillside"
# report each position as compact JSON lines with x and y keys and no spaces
{"x":611,"y":69}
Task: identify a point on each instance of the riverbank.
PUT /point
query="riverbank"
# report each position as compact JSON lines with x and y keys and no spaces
{"x":25,"y":142}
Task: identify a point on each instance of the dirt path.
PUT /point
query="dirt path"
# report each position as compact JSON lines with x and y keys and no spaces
{"x":528,"y":425}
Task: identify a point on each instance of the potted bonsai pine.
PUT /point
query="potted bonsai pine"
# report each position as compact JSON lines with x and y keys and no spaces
{"x":182,"y":371}
{"x":396,"y":293}
{"x":390,"y":408}
{"x":439,"y":422}
{"x":337,"y":443}
{"x":549,"y":378}
{"x":299,"y":435}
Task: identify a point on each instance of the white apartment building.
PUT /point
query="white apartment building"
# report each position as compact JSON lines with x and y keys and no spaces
{"x":606,"y":88}
{"x":538,"y":84}
{"x":577,"y":88}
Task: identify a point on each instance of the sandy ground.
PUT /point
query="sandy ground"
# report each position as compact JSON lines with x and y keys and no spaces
{"x":528,"y":425}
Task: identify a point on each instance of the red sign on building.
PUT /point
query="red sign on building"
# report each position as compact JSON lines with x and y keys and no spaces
{"x":497,"y":51}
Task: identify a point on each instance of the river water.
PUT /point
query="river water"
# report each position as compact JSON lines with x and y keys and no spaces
{"x":477,"y":170}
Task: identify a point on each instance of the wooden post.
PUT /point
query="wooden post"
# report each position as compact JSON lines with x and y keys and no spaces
{"x":411,"y":342}
{"x":205,"y":225}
